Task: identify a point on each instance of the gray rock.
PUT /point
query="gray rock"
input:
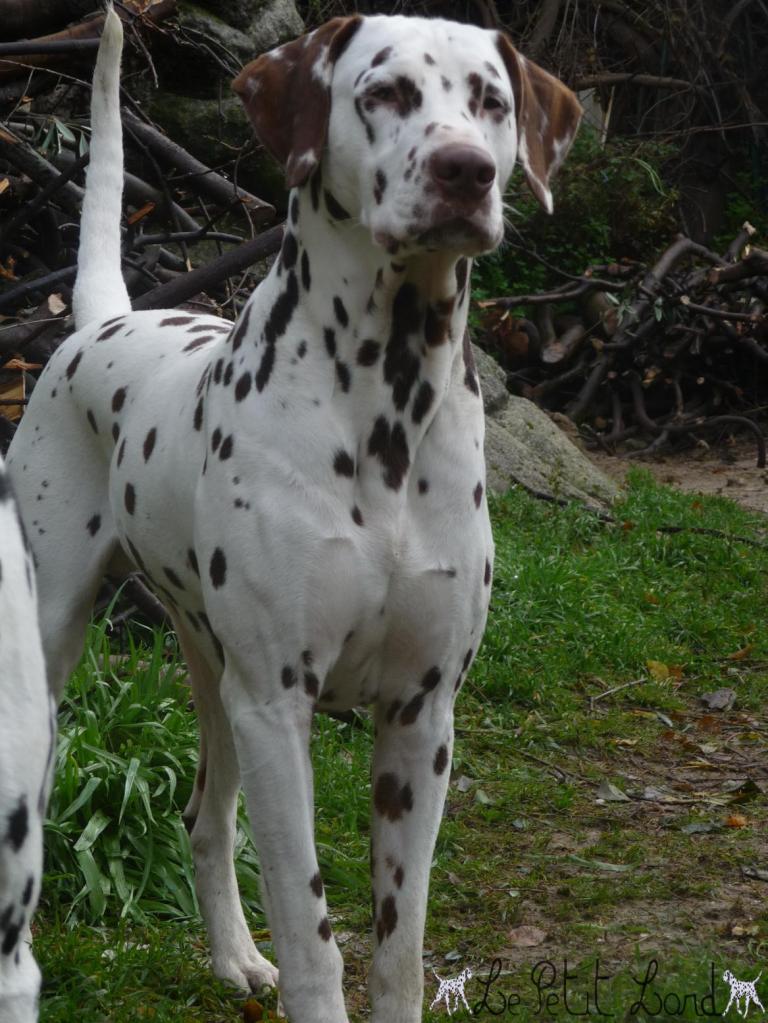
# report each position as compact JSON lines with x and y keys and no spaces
{"x":223,"y":44}
{"x":213,"y":32}
{"x":212,"y":130}
{"x":493,"y":381}
{"x":249,"y":15}
{"x":277,"y":22}
{"x":524,"y":446}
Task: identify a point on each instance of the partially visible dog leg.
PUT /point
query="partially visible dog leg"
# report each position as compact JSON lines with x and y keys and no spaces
{"x":411,"y":768}
{"x":271,"y":732}
{"x":27,"y":735}
{"x":73,"y":540}
{"x":210,"y":818}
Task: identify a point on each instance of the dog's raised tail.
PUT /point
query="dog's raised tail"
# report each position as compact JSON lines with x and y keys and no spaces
{"x":100,"y":291}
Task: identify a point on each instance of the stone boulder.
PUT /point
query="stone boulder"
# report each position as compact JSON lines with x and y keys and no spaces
{"x":267,"y":22}
{"x":245,"y":29}
{"x":524,"y":446}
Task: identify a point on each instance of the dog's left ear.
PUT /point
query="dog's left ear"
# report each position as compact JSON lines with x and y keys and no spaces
{"x":287,"y":96}
{"x":548,"y":116}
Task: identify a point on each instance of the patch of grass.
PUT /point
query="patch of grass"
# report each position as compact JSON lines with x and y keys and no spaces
{"x":115,"y":843}
{"x":575,"y":598}
{"x":579,"y":607}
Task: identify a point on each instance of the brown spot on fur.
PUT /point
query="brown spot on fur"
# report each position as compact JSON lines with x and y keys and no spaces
{"x":176,"y":321}
{"x":387,"y":921}
{"x":390,"y":798}
{"x":441,"y":759}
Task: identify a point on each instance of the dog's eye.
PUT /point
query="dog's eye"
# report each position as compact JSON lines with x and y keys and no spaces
{"x":384,"y":94}
{"x":492,"y":102}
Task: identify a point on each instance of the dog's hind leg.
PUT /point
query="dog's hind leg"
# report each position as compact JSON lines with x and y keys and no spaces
{"x":210,"y":818}
{"x":69,"y":525}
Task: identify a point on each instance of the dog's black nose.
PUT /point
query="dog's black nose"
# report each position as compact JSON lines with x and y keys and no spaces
{"x":462,"y":171}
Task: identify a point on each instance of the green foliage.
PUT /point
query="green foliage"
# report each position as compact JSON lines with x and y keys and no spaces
{"x":611,"y":202}
{"x":746,"y":201}
{"x":574,"y":597}
{"x":127,"y":751}
{"x":578,"y":606}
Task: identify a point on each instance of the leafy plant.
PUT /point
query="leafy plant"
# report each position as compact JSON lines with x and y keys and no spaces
{"x":126,"y":757}
{"x":611,"y":202}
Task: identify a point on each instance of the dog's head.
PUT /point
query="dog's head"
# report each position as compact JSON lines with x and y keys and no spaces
{"x":414,"y":124}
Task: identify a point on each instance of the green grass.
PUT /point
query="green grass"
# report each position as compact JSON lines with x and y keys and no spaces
{"x":579,"y":606}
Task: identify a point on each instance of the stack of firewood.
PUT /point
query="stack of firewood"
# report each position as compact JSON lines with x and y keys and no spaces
{"x":645,"y":357}
{"x":175,"y":204}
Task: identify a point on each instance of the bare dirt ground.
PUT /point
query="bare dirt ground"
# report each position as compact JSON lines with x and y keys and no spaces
{"x":729,"y":472}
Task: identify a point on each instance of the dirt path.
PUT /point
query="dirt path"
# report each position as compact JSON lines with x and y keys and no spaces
{"x":731,"y":475}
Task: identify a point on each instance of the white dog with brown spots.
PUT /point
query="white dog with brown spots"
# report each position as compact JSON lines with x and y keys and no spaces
{"x":27,"y":728}
{"x":304,"y":490}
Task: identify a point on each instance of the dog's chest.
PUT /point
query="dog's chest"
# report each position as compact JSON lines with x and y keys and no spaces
{"x":321,"y":518}
{"x":379,"y":557}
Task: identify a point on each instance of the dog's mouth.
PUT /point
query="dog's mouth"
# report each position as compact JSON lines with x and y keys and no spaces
{"x":468,"y":234}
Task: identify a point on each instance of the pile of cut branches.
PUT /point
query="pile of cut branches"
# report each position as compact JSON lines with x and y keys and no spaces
{"x":180,"y":212}
{"x":646,"y":356}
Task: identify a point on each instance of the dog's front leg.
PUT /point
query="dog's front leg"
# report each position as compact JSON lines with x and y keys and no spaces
{"x":271,"y":734}
{"x":410,"y":777}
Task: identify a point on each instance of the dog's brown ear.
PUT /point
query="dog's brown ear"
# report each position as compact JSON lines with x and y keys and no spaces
{"x":548,"y":116}
{"x":287,"y":96}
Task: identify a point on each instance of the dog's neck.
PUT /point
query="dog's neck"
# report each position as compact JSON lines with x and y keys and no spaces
{"x":358,"y":306}
{"x":346,"y":261}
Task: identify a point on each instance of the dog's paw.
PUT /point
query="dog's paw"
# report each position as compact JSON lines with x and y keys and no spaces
{"x":249,"y":973}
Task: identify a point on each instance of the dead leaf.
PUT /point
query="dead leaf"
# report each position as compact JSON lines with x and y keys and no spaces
{"x":651,"y":598}
{"x":7,"y":269}
{"x":145,"y":210}
{"x":658,"y":670}
{"x":700,"y":827}
{"x":623,"y":742}
{"x":56,"y":304}
{"x":708,"y":723}
{"x":709,"y":747}
{"x":10,"y":389}
{"x":744,"y":930}
{"x":526,"y":936}
{"x":757,"y":873}
{"x":720,"y":699}
{"x":736,"y":820}
{"x":742,"y":789}
{"x":253,"y":1011}
{"x":562,"y":840}
{"x":739,"y":655}
{"x":700,"y":765}
{"x":615,"y":868}
{"x":652,"y":794}
{"x":4,"y":184}
{"x":610,"y":793}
